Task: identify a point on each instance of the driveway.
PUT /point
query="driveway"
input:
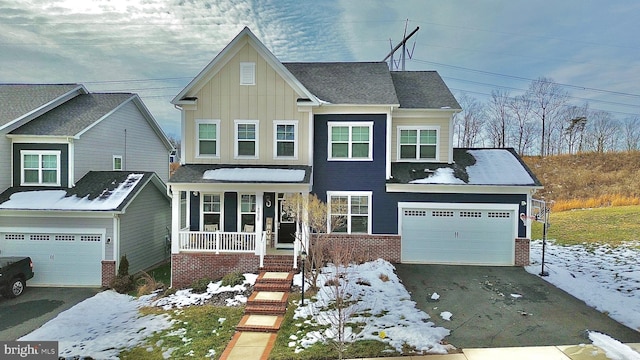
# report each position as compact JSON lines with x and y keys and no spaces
{"x":36,"y":306}
{"x":486,"y":314}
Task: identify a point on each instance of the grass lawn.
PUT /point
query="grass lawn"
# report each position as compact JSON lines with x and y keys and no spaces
{"x":611,"y":225}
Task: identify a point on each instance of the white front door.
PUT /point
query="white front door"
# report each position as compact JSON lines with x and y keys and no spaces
{"x":481,"y":234}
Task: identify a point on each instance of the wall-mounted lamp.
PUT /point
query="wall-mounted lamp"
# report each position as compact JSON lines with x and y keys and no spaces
{"x":108,"y":240}
{"x":523,"y":203}
{"x":195,"y":193}
{"x":267,"y":201}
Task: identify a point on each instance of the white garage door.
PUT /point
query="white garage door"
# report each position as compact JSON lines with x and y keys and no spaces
{"x":66,"y":259}
{"x":468,"y":234}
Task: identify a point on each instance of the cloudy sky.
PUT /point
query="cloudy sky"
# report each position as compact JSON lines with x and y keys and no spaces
{"x":155,"y":47}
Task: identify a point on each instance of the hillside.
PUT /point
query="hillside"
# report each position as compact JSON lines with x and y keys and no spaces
{"x":588,"y":180}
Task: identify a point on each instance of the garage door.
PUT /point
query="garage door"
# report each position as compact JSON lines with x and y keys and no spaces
{"x":66,"y":259}
{"x":473,"y":234}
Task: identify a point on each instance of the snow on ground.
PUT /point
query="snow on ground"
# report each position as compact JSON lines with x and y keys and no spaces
{"x":100,"y":326}
{"x":384,"y":305}
{"x":614,"y":349}
{"x":606,"y":278}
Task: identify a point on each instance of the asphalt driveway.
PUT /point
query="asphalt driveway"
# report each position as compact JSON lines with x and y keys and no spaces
{"x":35,"y":307}
{"x":486,"y":314}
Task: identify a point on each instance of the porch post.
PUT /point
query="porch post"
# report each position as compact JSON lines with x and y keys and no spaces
{"x":175,"y":221}
{"x":259,"y":217}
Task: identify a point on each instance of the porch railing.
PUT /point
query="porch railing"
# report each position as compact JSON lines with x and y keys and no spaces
{"x":218,"y":241}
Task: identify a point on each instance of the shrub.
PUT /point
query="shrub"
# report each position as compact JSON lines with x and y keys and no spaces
{"x":200,"y":286}
{"x":147,"y":284}
{"x":123,"y":283}
{"x":233,"y":279}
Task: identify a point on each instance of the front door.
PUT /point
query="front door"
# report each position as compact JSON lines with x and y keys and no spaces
{"x":286,"y":227}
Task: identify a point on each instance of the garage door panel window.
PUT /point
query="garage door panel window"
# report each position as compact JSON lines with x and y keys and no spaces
{"x":350,"y":213}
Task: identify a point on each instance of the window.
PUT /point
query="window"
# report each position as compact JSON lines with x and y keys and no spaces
{"x":246,"y":139}
{"x":350,"y":212}
{"x":40,"y":167}
{"x":247,"y":212}
{"x":117,"y":162}
{"x":211,"y":211}
{"x":417,"y":143}
{"x":208,"y":138}
{"x":351,"y":141}
{"x":286,"y":145}
{"x":247,"y":73}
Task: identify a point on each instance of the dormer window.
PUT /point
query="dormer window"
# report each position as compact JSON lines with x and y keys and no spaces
{"x":40,"y":168}
{"x":247,"y":73}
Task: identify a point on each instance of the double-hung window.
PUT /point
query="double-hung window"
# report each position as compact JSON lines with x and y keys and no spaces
{"x":350,"y":140}
{"x":350,"y":212}
{"x":247,"y":212}
{"x":117,"y":162}
{"x":40,"y":167}
{"x":211,"y":211}
{"x":286,"y":139}
{"x":208,"y":144}
{"x":417,"y":143}
{"x":246,"y":139}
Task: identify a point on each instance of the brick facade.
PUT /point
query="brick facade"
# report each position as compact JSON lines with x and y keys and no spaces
{"x":371,"y":247}
{"x":108,"y":272}
{"x":187,"y":267}
{"x":522,"y":252}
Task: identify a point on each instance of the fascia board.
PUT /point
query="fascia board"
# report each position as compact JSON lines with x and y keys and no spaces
{"x":461,"y":189}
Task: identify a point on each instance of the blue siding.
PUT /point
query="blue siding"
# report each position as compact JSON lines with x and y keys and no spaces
{"x":64,"y":160}
{"x":370,"y":176}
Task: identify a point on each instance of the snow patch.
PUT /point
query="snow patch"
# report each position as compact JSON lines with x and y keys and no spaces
{"x":255,"y":174}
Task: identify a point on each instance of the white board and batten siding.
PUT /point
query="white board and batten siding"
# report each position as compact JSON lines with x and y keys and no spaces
{"x":63,"y":254}
{"x":143,"y":229}
{"x":140,"y":147}
{"x":469,"y":234}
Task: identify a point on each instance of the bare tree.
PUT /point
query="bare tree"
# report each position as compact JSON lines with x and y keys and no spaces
{"x":547,"y":98}
{"x":602,"y":130}
{"x":524,"y":129}
{"x":468,"y":123}
{"x":498,"y":111}
{"x":631,"y":132}
{"x":575,"y":121}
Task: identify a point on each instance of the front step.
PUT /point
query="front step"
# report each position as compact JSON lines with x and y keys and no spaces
{"x":260,"y":323}
{"x":262,"y":309}
{"x":277,"y":263}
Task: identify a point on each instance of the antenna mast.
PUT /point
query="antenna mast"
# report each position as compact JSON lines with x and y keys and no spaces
{"x":403,"y":43}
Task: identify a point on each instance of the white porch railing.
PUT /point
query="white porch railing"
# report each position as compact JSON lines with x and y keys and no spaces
{"x":218,"y":241}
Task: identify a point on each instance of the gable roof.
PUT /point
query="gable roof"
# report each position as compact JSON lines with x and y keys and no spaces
{"x":19,"y":101}
{"x":485,"y":167}
{"x":96,"y":191}
{"x":423,"y":90}
{"x":73,"y":116}
{"x":184,"y":97}
{"x":347,"y":82}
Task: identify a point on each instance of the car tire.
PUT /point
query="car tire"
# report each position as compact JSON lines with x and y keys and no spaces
{"x":16,"y":288}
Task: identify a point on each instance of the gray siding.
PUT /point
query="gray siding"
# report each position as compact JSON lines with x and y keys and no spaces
{"x":143,"y":228}
{"x":58,"y":224}
{"x":128,"y":134}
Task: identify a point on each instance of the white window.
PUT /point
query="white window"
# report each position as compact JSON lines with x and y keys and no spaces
{"x":208,"y":144}
{"x":212,"y":212}
{"x":117,"y":162}
{"x":286,"y":139}
{"x":247,"y":73}
{"x":418,"y":143}
{"x":40,"y":167}
{"x":350,"y":212}
{"x":351,"y":140}
{"x":246,"y":139}
{"x":247,"y":212}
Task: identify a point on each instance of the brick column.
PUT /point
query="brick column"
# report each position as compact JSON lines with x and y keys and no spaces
{"x":522,"y":252}
{"x":108,"y":272}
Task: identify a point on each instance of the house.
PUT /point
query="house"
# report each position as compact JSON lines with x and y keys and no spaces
{"x":83,"y":182}
{"x":375,"y":145}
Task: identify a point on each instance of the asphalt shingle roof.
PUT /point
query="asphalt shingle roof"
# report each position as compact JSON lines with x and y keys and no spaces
{"x":346,"y":82}
{"x":423,"y":90}
{"x":74,"y":115}
{"x":19,"y":99}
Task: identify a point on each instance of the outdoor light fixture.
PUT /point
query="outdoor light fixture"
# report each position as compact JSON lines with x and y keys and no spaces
{"x":195,"y":193}
{"x":303,"y":257}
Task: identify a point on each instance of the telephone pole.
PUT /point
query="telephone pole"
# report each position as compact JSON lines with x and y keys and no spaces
{"x":402,"y":44}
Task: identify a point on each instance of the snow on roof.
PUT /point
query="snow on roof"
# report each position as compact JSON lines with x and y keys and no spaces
{"x":58,"y":199}
{"x":255,"y":174}
{"x":497,"y":167}
{"x":439,"y":176}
